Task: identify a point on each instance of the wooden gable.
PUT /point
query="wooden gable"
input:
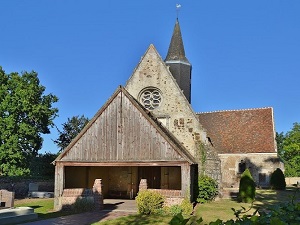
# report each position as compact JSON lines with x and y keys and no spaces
{"x":122,"y":131}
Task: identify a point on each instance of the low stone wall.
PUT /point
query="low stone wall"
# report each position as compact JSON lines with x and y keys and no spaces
{"x":21,"y":186}
{"x":84,"y":197}
{"x":172,"y":197}
{"x":71,"y":196}
{"x":292,"y":181}
{"x":229,"y":193}
{"x":167,"y":192}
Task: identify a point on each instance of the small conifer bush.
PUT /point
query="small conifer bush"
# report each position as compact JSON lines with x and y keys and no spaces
{"x":247,"y":187}
{"x":277,"y":180}
{"x":149,"y":202}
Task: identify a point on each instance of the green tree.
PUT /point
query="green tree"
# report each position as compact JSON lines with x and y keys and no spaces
{"x":71,"y":129}
{"x":277,"y":180}
{"x":247,"y":187}
{"x":279,"y":139}
{"x":289,"y":150}
{"x":25,"y":113}
{"x":41,"y":165}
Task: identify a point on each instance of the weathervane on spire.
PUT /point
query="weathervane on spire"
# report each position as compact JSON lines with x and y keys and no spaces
{"x":178,"y":6}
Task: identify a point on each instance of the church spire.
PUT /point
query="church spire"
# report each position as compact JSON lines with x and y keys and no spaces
{"x":176,"y":48}
{"x":179,"y":65}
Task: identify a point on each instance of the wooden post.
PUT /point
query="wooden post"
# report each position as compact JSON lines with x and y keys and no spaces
{"x":59,"y":185}
{"x":185,"y":181}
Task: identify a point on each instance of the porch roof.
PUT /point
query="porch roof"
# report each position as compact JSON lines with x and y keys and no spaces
{"x":124,"y":131}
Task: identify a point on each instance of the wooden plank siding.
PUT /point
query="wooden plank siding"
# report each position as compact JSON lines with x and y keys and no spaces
{"x":122,"y":132}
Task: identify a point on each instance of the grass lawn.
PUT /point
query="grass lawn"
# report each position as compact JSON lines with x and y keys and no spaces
{"x":220,"y":209}
{"x":138,"y":220}
{"x":43,"y":207}
{"x":212,"y":211}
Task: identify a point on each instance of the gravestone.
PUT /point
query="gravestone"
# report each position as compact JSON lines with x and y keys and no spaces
{"x":34,"y":192}
{"x":33,"y":187}
{"x":7,"y":199}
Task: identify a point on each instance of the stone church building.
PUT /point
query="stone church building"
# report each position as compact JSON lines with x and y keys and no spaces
{"x":147,"y":131}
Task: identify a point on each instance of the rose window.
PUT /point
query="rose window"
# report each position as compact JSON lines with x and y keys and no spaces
{"x":150,"y":98}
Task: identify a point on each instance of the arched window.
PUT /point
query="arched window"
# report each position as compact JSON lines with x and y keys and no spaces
{"x":242,"y":166}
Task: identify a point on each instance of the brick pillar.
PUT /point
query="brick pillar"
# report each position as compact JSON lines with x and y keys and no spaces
{"x":97,"y":191}
{"x":143,"y":185}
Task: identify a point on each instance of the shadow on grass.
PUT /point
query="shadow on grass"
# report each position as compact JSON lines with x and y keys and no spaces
{"x":268,"y":198}
{"x":222,"y":209}
{"x":44,"y":209}
{"x":138,"y":219}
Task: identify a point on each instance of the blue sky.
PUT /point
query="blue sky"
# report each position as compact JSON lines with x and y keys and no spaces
{"x":245,"y":54}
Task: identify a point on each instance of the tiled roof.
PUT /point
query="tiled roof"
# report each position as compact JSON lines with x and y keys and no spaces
{"x":240,"y":131}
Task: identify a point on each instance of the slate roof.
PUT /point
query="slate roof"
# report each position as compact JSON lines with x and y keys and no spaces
{"x":240,"y":131}
{"x":176,"y":48}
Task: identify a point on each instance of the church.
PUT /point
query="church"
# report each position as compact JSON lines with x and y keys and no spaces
{"x":147,"y":135}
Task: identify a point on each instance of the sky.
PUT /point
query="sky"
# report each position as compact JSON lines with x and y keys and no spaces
{"x":245,"y":54}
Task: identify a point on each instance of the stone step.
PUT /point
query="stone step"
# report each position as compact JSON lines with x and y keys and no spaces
{"x":16,"y":215}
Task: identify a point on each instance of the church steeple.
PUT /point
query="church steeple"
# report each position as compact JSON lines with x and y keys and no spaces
{"x":179,"y":65}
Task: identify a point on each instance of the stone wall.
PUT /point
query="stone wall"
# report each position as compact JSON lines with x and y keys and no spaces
{"x":71,"y":196}
{"x":261,"y":166}
{"x":81,"y":197}
{"x":174,"y":111}
{"x":292,"y":181}
{"x":21,"y":185}
{"x":172,"y":197}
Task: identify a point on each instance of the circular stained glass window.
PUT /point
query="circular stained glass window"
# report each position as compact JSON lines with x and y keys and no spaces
{"x":150,"y":98}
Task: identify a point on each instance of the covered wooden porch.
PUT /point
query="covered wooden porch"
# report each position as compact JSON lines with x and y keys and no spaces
{"x":121,"y":145}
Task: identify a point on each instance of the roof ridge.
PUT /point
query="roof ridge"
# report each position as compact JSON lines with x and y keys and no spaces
{"x":234,"y":110}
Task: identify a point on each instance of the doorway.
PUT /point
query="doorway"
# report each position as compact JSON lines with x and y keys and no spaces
{"x":152,"y":174}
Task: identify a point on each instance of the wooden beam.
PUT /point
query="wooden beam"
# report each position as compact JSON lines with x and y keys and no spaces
{"x":67,"y":163}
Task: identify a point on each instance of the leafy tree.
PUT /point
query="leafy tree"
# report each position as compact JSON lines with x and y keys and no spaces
{"x":71,"y":129}
{"x":41,"y":165}
{"x":289,"y":150}
{"x":25,"y":113}
{"x":279,"y":139}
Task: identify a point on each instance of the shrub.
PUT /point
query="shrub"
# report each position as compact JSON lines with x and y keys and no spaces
{"x":277,"y":180}
{"x":247,"y":187}
{"x":174,"y":210}
{"x":208,"y":189}
{"x":149,"y":202}
{"x":185,"y":208}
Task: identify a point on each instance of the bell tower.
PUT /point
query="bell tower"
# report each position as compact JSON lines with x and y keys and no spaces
{"x":179,"y":65}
